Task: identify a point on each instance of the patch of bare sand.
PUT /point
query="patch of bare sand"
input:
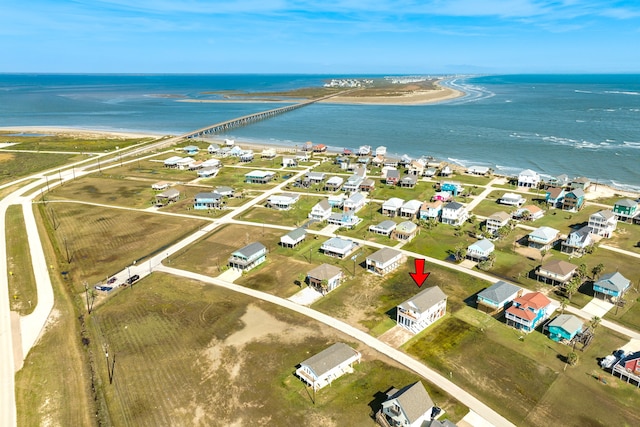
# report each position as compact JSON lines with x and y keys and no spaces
{"x":418,"y":97}
{"x":5,"y":157}
{"x":78,"y":132}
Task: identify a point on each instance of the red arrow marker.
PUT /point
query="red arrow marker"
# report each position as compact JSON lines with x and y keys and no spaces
{"x":419,"y":276}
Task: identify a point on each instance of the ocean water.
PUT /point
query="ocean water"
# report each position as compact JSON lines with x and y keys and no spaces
{"x":581,"y":125}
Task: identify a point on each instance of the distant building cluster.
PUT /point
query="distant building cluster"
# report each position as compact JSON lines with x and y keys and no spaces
{"x":349,"y":83}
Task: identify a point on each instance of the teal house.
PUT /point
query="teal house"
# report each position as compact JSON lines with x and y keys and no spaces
{"x":573,"y":200}
{"x":626,"y":209}
{"x":564,"y":327}
{"x":611,"y":286}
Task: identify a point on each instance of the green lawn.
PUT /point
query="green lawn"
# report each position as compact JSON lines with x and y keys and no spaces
{"x":626,"y":236}
{"x":479,"y":353}
{"x":69,"y":143}
{"x":14,"y":165}
{"x":372,"y":300}
{"x":441,"y":239}
{"x":488,"y":207}
{"x":566,"y":221}
{"x":294,"y":217}
{"x":422,"y":191}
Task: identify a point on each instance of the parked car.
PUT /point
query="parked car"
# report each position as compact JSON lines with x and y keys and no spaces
{"x":112,"y":280}
{"x":104,"y":288}
{"x":133,"y":279}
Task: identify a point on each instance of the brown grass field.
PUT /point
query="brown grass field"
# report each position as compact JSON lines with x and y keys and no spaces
{"x":108,"y":190}
{"x":54,"y":386}
{"x":15,"y":165}
{"x":101,"y":241}
{"x":188,"y":354}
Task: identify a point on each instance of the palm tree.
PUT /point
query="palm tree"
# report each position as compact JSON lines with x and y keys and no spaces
{"x":563,"y":304}
{"x":571,"y":287}
{"x":597,"y":270}
{"x":324,"y":286}
{"x":460,"y":252}
{"x":543,"y":253}
{"x":595,"y":322}
{"x":582,"y":271}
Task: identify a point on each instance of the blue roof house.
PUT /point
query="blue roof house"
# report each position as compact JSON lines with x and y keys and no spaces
{"x":611,"y":286}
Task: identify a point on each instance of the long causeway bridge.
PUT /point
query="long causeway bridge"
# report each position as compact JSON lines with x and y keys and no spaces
{"x":251,"y":118}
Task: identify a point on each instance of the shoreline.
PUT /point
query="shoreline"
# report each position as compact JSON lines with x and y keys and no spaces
{"x":417,"y":97}
{"x":601,"y":191}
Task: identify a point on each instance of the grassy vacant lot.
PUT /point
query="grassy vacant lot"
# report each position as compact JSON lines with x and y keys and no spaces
{"x":626,"y":236}
{"x":441,"y":239}
{"x":69,"y":143}
{"x":470,"y":180}
{"x":371,"y":301}
{"x":565,"y":221}
{"x":294,"y":217}
{"x":524,"y":376}
{"x":18,"y":165}
{"x":22,"y":284}
{"x":100,"y":241}
{"x":189,"y":354}
{"x":488,"y":207}
{"x":54,"y":386}
{"x":422,"y":191}
{"x":151,"y":170}
{"x":108,"y":190}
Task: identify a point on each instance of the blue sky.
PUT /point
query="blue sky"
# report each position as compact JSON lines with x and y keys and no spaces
{"x":324,"y":36}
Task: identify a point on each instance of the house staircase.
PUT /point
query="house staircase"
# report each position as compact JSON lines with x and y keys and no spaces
{"x":381,"y":419}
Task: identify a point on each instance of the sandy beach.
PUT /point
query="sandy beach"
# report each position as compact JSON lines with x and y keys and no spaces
{"x":78,"y":132}
{"x":595,"y":192}
{"x":413,"y":97}
{"x":418,"y":97}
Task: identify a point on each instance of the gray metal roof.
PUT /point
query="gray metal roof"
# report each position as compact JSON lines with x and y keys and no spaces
{"x":499,"y":291}
{"x":406,"y":227}
{"x":386,"y":225}
{"x":329,"y":358}
{"x":384,"y":255}
{"x":250,"y":250}
{"x":214,"y":196}
{"x":414,"y":401}
{"x":424,"y":300}
{"x":297,"y":233}
{"x":627,"y":203}
{"x":337,"y":242}
{"x":170,"y":193}
{"x":613,"y":281}
{"x":568,"y":322}
{"x":605,"y":213}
